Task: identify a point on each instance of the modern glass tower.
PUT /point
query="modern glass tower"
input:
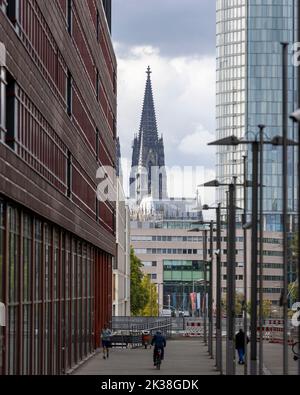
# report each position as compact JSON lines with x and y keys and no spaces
{"x":249,"y":93}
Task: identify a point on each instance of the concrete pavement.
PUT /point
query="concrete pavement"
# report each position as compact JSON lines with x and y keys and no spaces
{"x":183,"y":357}
{"x":272,"y":357}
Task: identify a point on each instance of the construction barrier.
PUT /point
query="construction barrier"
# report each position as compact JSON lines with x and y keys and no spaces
{"x":193,"y":328}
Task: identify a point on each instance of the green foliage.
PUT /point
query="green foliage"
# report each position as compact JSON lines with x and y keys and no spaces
{"x":138,"y":293}
{"x":239,"y":299}
{"x":293,"y":291}
{"x":151,"y":308}
{"x":267,"y":308}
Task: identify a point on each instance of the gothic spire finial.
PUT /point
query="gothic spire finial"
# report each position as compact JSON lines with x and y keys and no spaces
{"x":148,"y":72}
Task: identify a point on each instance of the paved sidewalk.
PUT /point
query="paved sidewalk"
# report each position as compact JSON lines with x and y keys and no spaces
{"x":183,"y":357}
{"x":272,"y":356}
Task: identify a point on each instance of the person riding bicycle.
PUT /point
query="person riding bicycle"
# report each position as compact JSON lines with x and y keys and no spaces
{"x":159,"y":343}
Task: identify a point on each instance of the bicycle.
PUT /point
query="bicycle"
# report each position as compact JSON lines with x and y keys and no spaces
{"x":158,"y":359}
{"x":296,"y":353}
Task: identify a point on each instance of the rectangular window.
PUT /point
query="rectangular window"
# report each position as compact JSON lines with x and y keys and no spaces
{"x":98,"y":25}
{"x":13,"y":277}
{"x":12,"y":11}
{"x":70,"y":16}
{"x":11,"y":112}
{"x":97,"y":85}
{"x":107,"y":10}
{"x":97,"y":143}
{"x":69,"y":94}
{"x":69,"y":175}
{"x":2,"y":100}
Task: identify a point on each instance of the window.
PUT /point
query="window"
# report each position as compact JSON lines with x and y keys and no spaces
{"x":154,"y":276}
{"x":97,"y":143}
{"x":98,"y":25}
{"x":97,"y":84}
{"x":12,"y":11}
{"x":13,"y":275}
{"x":69,"y":16}
{"x":69,"y":94}
{"x":2,"y":100}
{"x":11,"y":108}
{"x":69,"y":175}
{"x":107,"y":10}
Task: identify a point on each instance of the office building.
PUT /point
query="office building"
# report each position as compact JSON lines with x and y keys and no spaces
{"x":249,"y":93}
{"x":57,"y":241}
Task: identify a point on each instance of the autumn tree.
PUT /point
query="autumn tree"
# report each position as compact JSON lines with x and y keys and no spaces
{"x":138,"y":293}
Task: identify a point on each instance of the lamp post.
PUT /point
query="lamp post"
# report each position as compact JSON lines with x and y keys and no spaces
{"x":296,"y":118}
{"x":219,"y":362}
{"x":205,"y":283}
{"x":210,"y":301}
{"x":231,"y":277}
{"x":245,"y":266}
{"x":276,"y":141}
{"x":285,"y":202}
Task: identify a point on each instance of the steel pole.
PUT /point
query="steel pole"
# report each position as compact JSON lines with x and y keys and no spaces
{"x":261,"y":246}
{"x":298,"y":241}
{"x":205,"y":283}
{"x":227,"y":277}
{"x":285,"y":202}
{"x":245,"y":266}
{"x":253,"y":339}
{"x":230,"y":368}
{"x":210,"y":295}
{"x":219,"y":295}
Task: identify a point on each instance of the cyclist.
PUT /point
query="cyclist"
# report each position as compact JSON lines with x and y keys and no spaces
{"x":159,"y":343}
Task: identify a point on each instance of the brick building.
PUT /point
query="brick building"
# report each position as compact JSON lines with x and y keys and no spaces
{"x":58,"y":125}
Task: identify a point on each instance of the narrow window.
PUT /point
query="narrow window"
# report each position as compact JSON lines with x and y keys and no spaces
{"x":97,"y":85}
{"x":97,"y":144}
{"x":69,"y":175}
{"x":12,"y":11}
{"x":97,"y":209}
{"x":11,"y":112}
{"x":69,"y":94}
{"x":107,"y":10}
{"x":2,"y":101}
{"x":69,"y":16}
{"x":98,"y":25}
{"x":115,"y":82}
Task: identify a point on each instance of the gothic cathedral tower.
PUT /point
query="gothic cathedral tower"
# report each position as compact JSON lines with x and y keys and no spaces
{"x":148,"y":174}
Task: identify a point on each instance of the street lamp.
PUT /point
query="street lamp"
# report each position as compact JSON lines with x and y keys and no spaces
{"x":205,"y":207}
{"x":219,"y":362}
{"x":231,"y":274}
{"x":256,"y":145}
{"x":205,"y":274}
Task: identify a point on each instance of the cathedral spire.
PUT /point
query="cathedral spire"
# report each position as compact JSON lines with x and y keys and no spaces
{"x":148,"y":153}
{"x":148,"y":125}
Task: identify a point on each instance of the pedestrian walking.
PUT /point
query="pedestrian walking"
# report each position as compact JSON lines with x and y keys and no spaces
{"x":240,"y":345}
{"x":106,"y":340}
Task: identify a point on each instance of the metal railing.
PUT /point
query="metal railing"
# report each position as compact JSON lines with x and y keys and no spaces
{"x":132,"y":327}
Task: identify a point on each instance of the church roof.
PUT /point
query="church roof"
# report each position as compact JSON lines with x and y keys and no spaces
{"x":148,"y":134}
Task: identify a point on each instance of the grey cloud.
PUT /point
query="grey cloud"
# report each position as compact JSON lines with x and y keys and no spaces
{"x":176,"y":27}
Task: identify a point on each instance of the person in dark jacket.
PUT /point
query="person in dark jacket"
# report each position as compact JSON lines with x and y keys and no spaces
{"x":159,"y":343}
{"x":240,"y":345}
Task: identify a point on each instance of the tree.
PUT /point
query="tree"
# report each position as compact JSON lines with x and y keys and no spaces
{"x":239,"y":299}
{"x":151,"y":308}
{"x":138,"y":293}
{"x":266,"y":310}
{"x":293,"y":291}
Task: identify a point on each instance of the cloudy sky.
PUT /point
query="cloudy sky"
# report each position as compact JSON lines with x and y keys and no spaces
{"x":177,"y":39}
